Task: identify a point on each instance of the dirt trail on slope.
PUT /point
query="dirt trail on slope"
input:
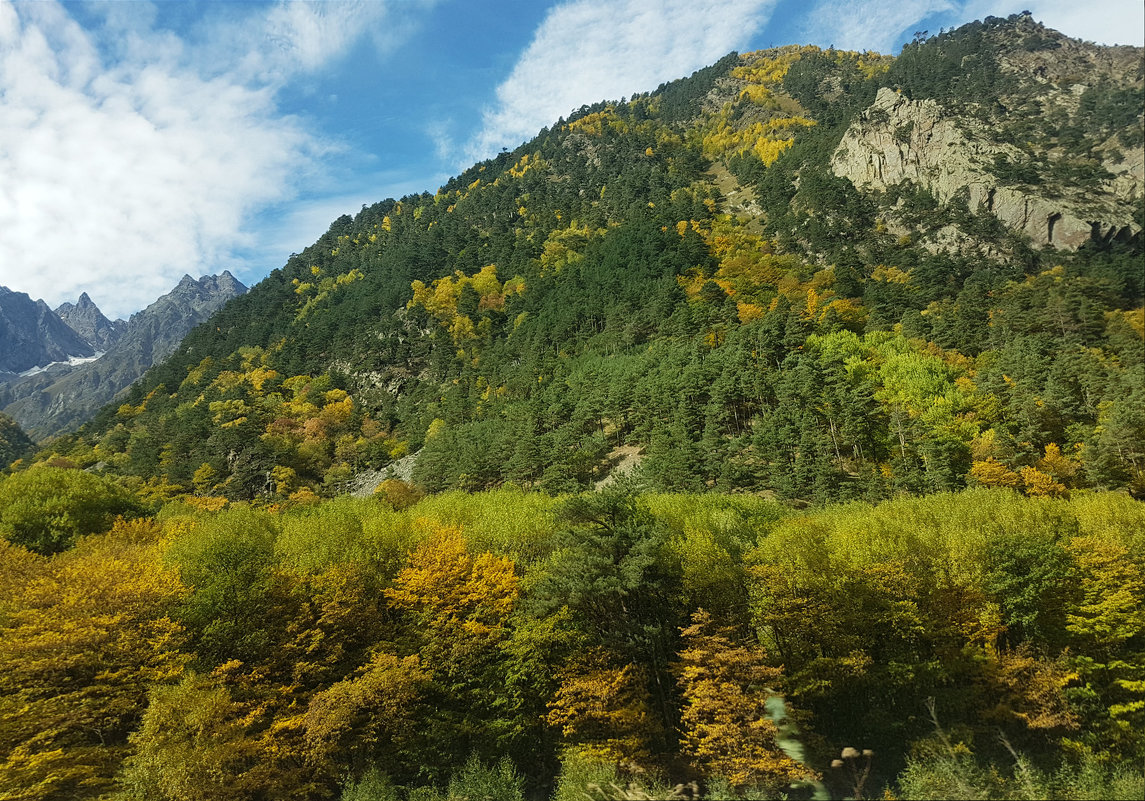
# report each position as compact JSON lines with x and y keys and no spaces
{"x":624,"y":460}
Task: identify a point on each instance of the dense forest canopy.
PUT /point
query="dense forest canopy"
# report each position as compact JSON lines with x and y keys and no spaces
{"x":891,"y":463}
{"x":508,"y":645}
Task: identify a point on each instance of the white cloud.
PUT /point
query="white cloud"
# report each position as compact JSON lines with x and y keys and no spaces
{"x":438,"y":133}
{"x":129,"y":155}
{"x":590,"y":50}
{"x":1103,"y":21}
{"x":296,"y":36}
{"x":867,"y":25}
{"x":883,"y":25}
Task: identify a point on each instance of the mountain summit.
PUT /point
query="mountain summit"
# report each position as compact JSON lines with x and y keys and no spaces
{"x":821,"y":274}
{"x":85,"y":318}
{"x":157,"y":330}
{"x":1041,"y":131}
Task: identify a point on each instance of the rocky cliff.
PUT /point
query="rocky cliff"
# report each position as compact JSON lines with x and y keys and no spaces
{"x":85,"y":318}
{"x":1018,"y":156}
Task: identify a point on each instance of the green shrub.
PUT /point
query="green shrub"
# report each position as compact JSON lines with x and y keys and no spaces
{"x":47,"y":509}
{"x":476,"y":782}
{"x":373,"y":786}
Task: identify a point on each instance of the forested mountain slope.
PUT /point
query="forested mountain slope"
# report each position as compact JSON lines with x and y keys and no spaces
{"x":764,"y":275}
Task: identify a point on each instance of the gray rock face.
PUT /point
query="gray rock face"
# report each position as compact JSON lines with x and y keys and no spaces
{"x":31,"y":335}
{"x":897,"y":139}
{"x":62,"y":398}
{"x":1053,"y":155}
{"x":85,"y":318}
{"x":154,"y":333}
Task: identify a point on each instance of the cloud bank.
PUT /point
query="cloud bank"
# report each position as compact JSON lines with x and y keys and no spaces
{"x":590,"y":50}
{"x":128,"y":157}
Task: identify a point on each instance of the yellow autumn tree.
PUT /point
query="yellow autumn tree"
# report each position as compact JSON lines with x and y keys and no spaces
{"x":457,"y":606}
{"x":1041,"y":484}
{"x":1105,"y":623}
{"x":454,"y":592}
{"x":726,"y":727}
{"x":366,"y":717}
{"x":1031,"y":690}
{"x":604,"y":708}
{"x":398,"y":494}
{"x":193,"y":745}
{"x":204,"y":479}
{"x":83,"y":635}
{"x":1061,"y":467}
{"x":992,"y":473}
{"x":565,"y":247}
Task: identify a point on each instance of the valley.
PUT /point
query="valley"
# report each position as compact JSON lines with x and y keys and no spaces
{"x":779,"y":432}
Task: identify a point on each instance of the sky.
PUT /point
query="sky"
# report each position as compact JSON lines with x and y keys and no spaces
{"x":140,"y":141}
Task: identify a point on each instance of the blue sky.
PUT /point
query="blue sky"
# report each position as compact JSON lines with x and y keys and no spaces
{"x":143,"y":140}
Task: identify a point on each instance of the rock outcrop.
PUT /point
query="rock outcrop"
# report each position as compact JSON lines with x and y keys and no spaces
{"x":897,"y":139}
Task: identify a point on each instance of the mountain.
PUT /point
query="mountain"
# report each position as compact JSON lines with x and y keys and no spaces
{"x":64,"y":396}
{"x":85,"y":318}
{"x":814,"y":273}
{"x":31,"y":335}
{"x":156,"y":331}
{"x":796,"y":278}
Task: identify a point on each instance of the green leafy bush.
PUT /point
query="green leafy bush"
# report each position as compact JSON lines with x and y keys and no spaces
{"x":48,"y":508}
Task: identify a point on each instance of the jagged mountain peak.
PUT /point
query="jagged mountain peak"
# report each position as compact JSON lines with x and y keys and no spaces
{"x":32,"y":335}
{"x":223,"y":282}
{"x":85,"y":318}
{"x":225,"y":278}
{"x":83,"y":300}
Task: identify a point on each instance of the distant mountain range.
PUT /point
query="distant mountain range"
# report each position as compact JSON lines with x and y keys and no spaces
{"x":58,"y":367}
{"x":32,"y":335}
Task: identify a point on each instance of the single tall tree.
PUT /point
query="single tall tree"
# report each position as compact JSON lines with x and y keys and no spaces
{"x":726,"y":727}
